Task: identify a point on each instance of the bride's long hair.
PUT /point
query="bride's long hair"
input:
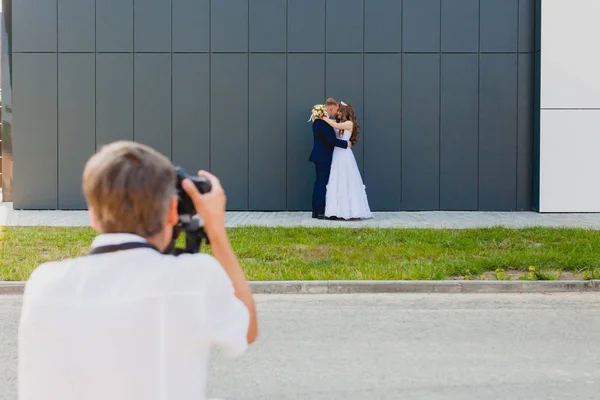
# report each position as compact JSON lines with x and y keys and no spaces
{"x":346,"y":113}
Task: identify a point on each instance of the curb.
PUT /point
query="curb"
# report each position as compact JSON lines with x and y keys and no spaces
{"x":341,"y":287}
{"x":11,"y":287}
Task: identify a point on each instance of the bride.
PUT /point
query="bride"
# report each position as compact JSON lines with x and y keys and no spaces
{"x":346,"y":195}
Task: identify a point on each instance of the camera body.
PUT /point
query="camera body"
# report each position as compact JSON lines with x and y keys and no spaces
{"x":185,"y":204}
{"x":189,"y":223}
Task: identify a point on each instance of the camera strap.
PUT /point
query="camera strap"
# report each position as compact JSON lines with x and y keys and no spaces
{"x":121,"y":247}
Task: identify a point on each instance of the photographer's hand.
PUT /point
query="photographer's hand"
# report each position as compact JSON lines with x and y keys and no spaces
{"x":211,"y":208}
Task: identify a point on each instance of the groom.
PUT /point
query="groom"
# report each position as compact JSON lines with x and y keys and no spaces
{"x":324,"y":141}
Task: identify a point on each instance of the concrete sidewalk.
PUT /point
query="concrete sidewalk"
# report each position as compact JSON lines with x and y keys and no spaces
{"x":431,"y":219}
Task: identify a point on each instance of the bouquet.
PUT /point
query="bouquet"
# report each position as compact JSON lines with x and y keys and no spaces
{"x":318,"y":111}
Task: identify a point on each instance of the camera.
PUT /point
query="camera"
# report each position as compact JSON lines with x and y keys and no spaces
{"x":186,"y":206}
{"x":189,"y":223}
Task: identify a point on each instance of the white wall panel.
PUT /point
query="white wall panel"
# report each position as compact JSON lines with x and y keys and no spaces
{"x":570,"y":54}
{"x":570,"y":161}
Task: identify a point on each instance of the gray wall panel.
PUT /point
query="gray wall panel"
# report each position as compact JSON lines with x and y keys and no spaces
{"x":35,"y":136}
{"x":344,"y":82}
{"x":114,"y":98}
{"x":302,"y":35}
{"x":498,"y":132}
{"x":525,"y":132}
{"x":383,"y":25}
{"x":229,"y":26}
{"x":114,"y":25}
{"x":229,"y":126}
{"x":34,"y":25}
{"x":536,"y":131}
{"x":459,"y":132}
{"x":499,"y":25}
{"x":345,"y":23}
{"x":305,"y":88}
{"x":191,"y":25}
{"x":76,"y":125}
{"x":268,"y":25}
{"x":538,"y":23}
{"x":152,"y":26}
{"x":421,"y":26}
{"x":267,"y":140}
{"x":76,"y":25}
{"x":383,"y":131}
{"x":526,"y":26}
{"x":191,"y":111}
{"x":460,"y":26}
{"x":420,"y":131}
{"x":152,"y":101}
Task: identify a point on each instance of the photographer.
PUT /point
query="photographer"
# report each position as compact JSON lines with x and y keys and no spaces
{"x":126,"y":321}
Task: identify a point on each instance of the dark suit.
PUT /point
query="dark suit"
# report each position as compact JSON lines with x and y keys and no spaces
{"x":322,"y":154}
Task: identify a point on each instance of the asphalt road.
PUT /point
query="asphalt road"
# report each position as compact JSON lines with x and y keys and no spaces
{"x":401,"y":347}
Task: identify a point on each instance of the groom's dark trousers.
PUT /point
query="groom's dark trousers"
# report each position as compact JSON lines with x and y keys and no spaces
{"x":322,"y":154}
{"x":320,"y":188}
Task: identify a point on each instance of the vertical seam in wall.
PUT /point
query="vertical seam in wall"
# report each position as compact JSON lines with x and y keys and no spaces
{"x":95,"y":76}
{"x":440,"y":116}
{"x":518,"y":106}
{"x":210,"y":85}
{"x":478,"y":101}
{"x":287,"y":20}
{"x":325,"y":55}
{"x":364,"y":73}
{"x":363,"y":89}
{"x":133,"y":75}
{"x":248,"y":100}
{"x":171,"y":132}
{"x":57,"y":122}
{"x":401,"y":206}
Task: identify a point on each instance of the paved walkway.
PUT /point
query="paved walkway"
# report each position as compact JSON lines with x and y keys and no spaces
{"x":432,"y":219}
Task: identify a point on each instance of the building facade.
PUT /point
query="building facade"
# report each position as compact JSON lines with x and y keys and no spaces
{"x":445,"y":92}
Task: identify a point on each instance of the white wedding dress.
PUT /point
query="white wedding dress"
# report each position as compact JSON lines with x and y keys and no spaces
{"x":346,"y":194}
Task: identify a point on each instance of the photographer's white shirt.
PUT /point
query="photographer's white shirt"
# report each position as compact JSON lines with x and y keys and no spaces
{"x":130,"y":325}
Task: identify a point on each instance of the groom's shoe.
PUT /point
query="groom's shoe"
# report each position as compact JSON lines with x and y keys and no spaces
{"x":315,"y":215}
{"x":321,"y":216}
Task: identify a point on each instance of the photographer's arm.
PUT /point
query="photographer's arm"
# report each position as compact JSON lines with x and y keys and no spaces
{"x":222,"y":251}
{"x":211,"y":207}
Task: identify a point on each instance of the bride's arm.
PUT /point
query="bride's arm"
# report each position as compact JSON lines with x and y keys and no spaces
{"x":339,"y":125}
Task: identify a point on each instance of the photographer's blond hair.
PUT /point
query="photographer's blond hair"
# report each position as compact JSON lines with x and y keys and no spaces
{"x":129,"y":187}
